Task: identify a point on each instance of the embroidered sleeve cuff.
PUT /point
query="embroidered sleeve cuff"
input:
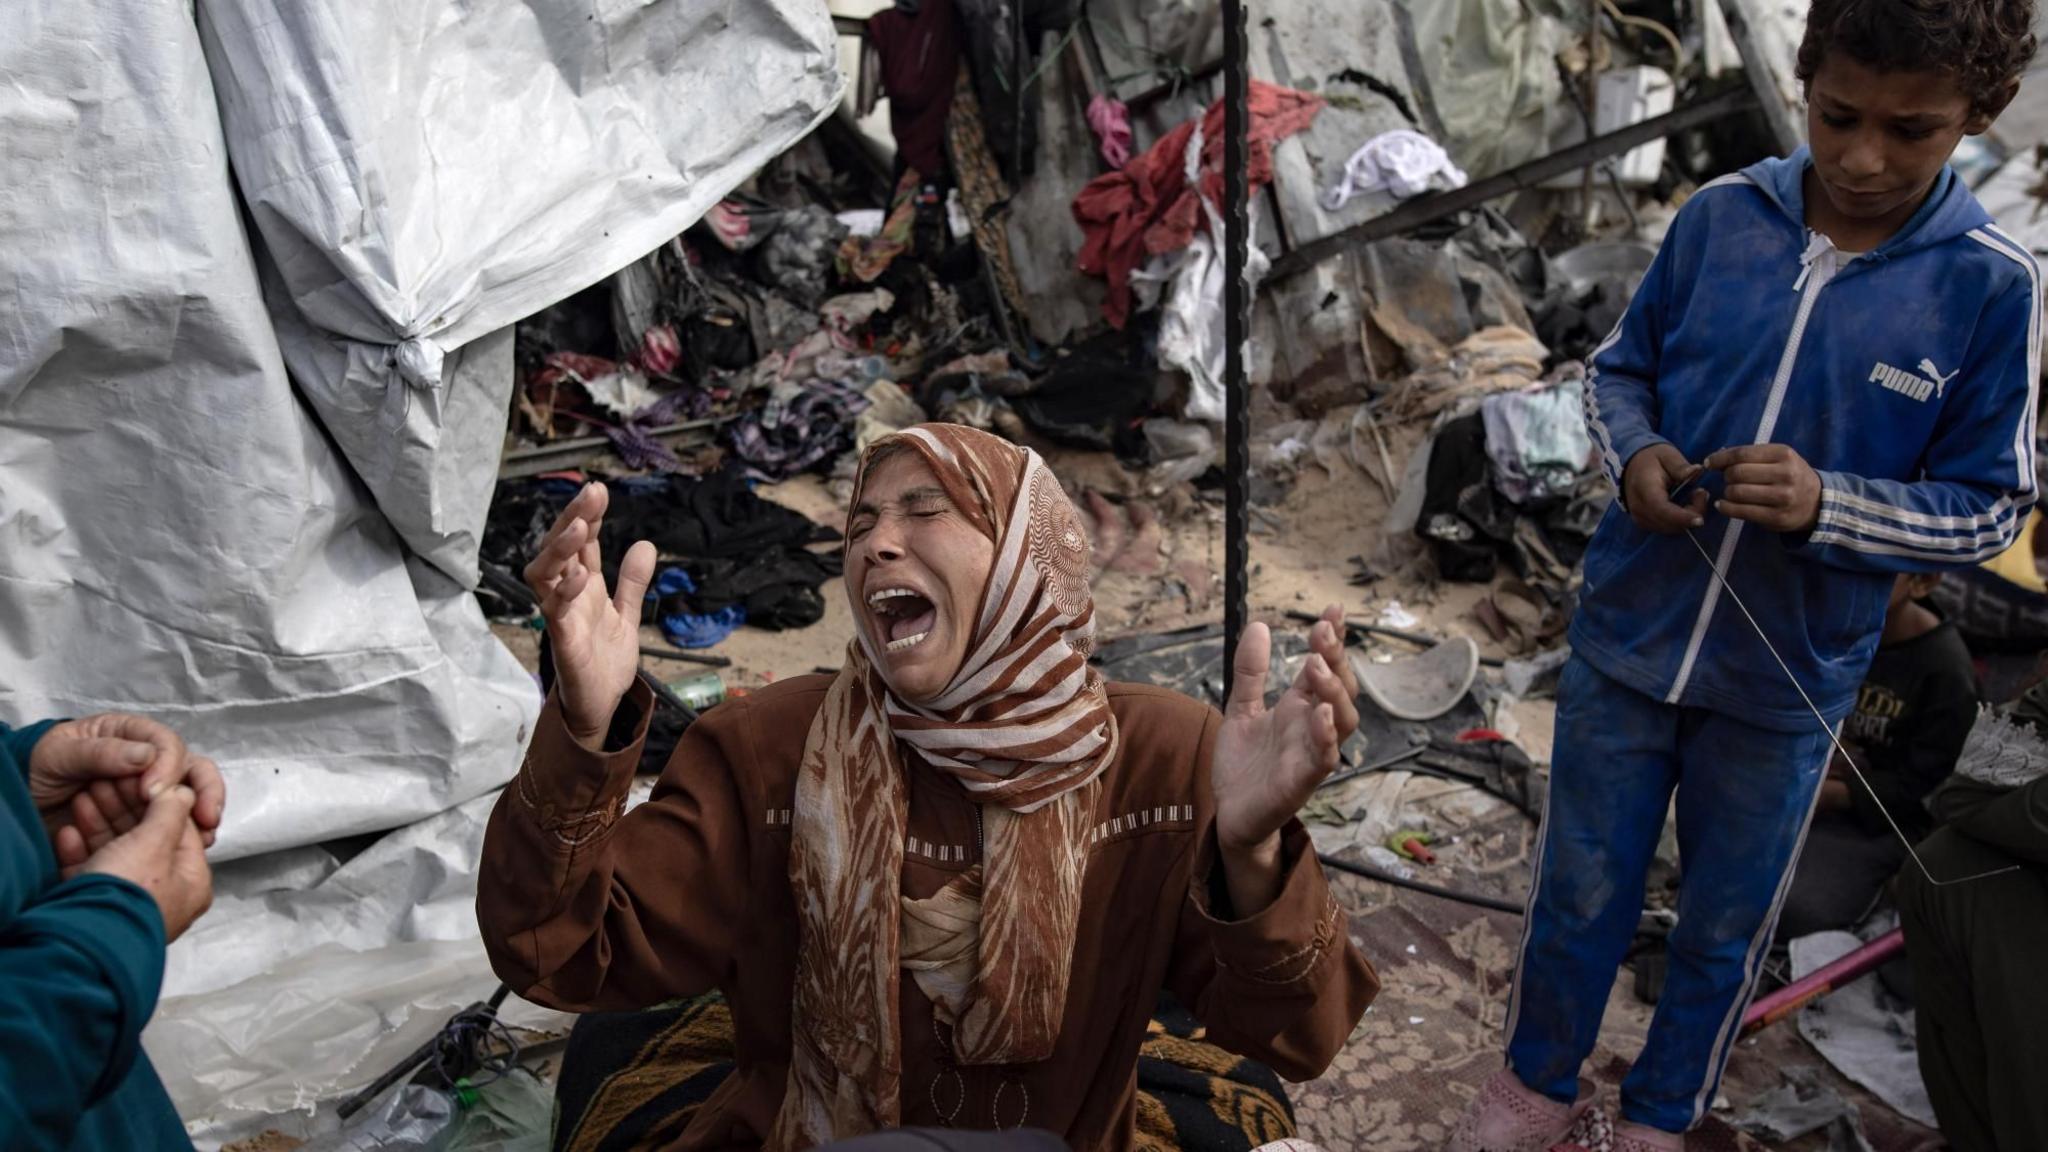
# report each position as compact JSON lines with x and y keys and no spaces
{"x":574,"y":792}
{"x":1284,"y":943}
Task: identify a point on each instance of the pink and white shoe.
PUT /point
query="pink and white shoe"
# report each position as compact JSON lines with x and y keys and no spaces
{"x":1508,"y":1117}
{"x":1639,"y":1138}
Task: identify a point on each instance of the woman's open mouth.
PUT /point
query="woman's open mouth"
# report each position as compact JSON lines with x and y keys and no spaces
{"x":904,"y":618}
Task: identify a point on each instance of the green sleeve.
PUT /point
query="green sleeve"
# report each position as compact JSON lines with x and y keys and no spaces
{"x":17,"y":743}
{"x":80,"y":968}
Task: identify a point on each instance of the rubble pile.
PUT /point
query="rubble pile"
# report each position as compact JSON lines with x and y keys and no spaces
{"x":1045,"y":262}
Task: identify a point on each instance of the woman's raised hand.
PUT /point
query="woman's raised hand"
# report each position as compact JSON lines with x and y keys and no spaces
{"x":595,"y":636}
{"x":1268,"y":761}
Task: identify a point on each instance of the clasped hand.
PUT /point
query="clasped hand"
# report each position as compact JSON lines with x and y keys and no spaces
{"x":123,"y":796}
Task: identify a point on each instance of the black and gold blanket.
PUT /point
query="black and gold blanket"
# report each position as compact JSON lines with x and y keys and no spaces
{"x":633,"y":1080}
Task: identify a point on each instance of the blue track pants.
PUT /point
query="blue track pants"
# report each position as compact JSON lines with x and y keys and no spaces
{"x":1745,"y":795}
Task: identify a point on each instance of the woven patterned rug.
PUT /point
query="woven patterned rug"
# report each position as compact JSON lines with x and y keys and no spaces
{"x":1434,"y":1035}
{"x":1420,"y":1055}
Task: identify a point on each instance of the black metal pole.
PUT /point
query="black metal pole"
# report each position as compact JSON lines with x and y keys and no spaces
{"x":1017,"y":60}
{"x":1237,"y":314}
{"x":1368,"y":872}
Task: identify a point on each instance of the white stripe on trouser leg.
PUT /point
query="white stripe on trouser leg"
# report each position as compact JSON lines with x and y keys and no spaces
{"x":1724,"y":1041}
{"x":1528,"y":916}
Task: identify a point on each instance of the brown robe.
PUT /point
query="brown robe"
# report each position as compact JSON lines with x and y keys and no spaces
{"x":586,"y":910}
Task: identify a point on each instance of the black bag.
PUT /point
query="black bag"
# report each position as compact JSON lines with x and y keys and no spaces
{"x":1460,"y":517}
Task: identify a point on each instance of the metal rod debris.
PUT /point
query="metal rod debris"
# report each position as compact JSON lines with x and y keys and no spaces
{"x":1422,"y":210}
{"x":678,"y":654}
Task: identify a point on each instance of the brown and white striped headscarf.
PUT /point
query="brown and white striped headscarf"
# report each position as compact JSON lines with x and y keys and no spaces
{"x":1025,"y":726}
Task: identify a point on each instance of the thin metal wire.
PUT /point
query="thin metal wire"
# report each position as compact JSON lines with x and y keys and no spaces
{"x":1833,"y":737}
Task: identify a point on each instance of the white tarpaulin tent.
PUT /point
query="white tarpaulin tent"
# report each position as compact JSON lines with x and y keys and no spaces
{"x":255,"y":361}
{"x":282,"y":574}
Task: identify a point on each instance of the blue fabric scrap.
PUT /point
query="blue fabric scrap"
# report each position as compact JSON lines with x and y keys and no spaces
{"x":693,"y":629}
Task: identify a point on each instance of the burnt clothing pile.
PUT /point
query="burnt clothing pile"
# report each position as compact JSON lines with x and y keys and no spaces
{"x":797,"y":429}
{"x":1514,"y":481}
{"x":1097,"y":394}
{"x":1578,"y":319}
{"x":756,"y":333}
{"x":776,"y":591}
{"x":728,"y":557}
{"x":806,"y":310}
{"x":717,"y":517}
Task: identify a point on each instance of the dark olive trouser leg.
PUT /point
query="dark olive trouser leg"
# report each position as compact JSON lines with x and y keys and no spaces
{"x":1979,"y":953}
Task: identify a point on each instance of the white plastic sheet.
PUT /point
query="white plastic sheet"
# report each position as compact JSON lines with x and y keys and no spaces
{"x":279,"y":1053}
{"x":177,"y":536}
{"x":1491,"y":66}
{"x":426,"y":173}
{"x":283,"y":573}
{"x":279,"y":567}
{"x":309,"y":977}
{"x":1861,"y":1030}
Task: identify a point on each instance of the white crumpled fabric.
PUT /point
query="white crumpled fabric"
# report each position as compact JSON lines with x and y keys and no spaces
{"x":1191,"y":325}
{"x":1402,"y":163}
{"x":1866,"y":1035}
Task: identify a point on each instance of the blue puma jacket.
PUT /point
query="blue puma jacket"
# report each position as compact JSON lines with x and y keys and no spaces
{"x":1906,"y":376}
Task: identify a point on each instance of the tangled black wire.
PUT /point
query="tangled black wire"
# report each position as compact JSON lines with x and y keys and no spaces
{"x":456,"y":1054}
{"x":460,"y":1051}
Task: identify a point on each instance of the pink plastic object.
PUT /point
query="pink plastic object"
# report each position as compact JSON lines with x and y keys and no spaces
{"x":1798,"y":994}
{"x":1111,"y":120}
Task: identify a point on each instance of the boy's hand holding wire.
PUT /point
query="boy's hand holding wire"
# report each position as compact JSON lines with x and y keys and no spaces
{"x":1649,"y":491}
{"x":1769,"y":485}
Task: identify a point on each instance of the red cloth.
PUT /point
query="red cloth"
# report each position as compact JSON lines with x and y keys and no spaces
{"x":1149,"y":208}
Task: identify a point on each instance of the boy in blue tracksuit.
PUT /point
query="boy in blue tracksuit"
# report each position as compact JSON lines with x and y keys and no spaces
{"x":1827,"y":378}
